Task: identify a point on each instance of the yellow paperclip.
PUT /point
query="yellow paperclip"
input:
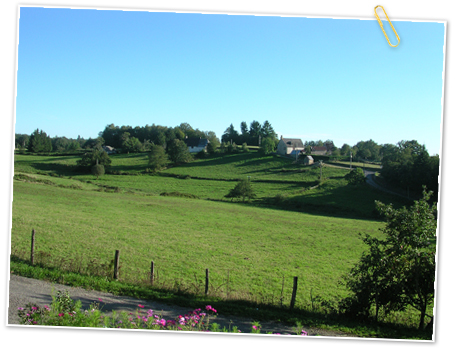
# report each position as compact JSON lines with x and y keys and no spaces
{"x":382,"y":27}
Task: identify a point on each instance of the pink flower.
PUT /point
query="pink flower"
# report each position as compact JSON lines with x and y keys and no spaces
{"x":100,"y":300}
{"x":255,"y":327}
{"x":140,"y":305}
{"x":61,"y":314}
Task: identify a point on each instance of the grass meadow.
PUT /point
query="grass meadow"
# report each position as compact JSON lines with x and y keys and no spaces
{"x":252,"y":250}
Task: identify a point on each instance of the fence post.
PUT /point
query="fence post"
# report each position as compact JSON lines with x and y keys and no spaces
{"x":32,"y":251}
{"x":116,"y":264}
{"x":206,"y":281}
{"x":152,"y":272}
{"x":227,"y":285}
{"x":294,"y":293}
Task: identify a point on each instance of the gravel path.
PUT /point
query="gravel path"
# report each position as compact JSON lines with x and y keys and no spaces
{"x":23,"y":290}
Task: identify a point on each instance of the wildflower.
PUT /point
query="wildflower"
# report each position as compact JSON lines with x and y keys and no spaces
{"x":304,"y":333}
{"x":20,"y":308}
{"x":34,"y":308}
{"x":61,"y":314}
{"x":279,"y":334}
{"x":140,"y":305}
{"x":100,"y":300}
{"x":255,"y":327}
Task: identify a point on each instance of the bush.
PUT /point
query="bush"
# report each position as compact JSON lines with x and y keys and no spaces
{"x":98,"y":170}
{"x":242,"y":190}
{"x":355,"y":177}
{"x":201,"y":154}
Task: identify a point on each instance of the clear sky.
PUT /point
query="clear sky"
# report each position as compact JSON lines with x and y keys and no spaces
{"x":311,"y":78}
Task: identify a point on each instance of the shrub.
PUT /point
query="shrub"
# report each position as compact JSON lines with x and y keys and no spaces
{"x":355,"y":177}
{"x":242,"y":190}
{"x":98,"y":170}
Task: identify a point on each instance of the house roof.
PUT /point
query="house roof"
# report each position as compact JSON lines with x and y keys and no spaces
{"x":196,"y":142}
{"x":323,"y":148}
{"x":293,"y":142}
{"x":309,"y":157}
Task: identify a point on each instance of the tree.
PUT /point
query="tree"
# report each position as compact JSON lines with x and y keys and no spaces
{"x":157,"y":157}
{"x":399,"y":269}
{"x":21,"y":141}
{"x":97,"y":170}
{"x":230,"y":135}
{"x":346,"y":150}
{"x":255,"y":132}
{"x":96,"y":156}
{"x":39,"y":142}
{"x":356,"y":176}
{"x":267,"y":130}
{"x":242,"y":189}
{"x":178,"y":151}
{"x":367,"y":150}
{"x":211,"y":148}
{"x":267,"y":146}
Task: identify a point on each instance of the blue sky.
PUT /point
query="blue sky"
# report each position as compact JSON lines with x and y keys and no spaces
{"x":312,"y":78}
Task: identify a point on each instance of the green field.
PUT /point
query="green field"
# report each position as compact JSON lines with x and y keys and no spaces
{"x":296,"y":226}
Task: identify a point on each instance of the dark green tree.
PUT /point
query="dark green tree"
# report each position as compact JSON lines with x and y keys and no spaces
{"x":178,"y":152}
{"x":96,"y":156}
{"x":399,"y":269}
{"x":230,"y":135}
{"x":355,"y":176}
{"x":267,"y":146}
{"x":242,"y":190}
{"x":157,"y":157}
{"x":98,"y":170}
{"x":21,"y":141}
{"x":345,"y":150}
{"x":39,"y":142}
{"x":255,"y":132}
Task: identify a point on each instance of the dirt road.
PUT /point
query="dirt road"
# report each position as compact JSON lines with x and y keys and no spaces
{"x":24,"y":290}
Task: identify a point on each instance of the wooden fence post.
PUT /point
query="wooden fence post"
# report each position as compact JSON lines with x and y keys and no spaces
{"x":152,"y":272}
{"x":32,"y":252}
{"x":294,"y":293}
{"x":116,"y":264}
{"x":227,"y":285}
{"x":206,"y":281}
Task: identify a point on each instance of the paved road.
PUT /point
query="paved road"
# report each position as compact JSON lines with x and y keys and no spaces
{"x":23,"y":290}
{"x":370,"y":180}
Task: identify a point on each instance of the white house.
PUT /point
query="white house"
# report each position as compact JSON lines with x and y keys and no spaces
{"x":196,"y":144}
{"x":288,"y":146}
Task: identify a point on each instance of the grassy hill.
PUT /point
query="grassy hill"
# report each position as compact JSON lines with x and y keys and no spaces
{"x":278,"y":182}
{"x":296,"y":226}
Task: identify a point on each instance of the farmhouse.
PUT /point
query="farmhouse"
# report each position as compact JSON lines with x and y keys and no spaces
{"x":196,"y":144}
{"x":108,"y":149}
{"x":319,"y":150}
{"x":288,"y":146}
